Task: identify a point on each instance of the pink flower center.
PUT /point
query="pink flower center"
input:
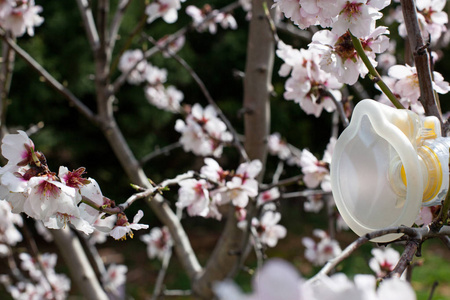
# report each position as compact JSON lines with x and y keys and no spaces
{"x":352,"y":9}
{"x":48,"y":189}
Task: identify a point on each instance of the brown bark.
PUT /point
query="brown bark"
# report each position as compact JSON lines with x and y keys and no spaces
{"x":227,"y":256}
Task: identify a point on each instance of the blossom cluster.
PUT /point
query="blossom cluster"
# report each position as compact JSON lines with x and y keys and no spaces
{"x":165,"y":9}
{"x":432,"y":19}
{"x":20,"y":17}
{"x":30,"y":187}
{"x":207,"y":18}
{"x":139,"y":70}
{"x":342,"y":15}
{"x":308,"y":85}
{"x":203,"y":132}
{"x":43,"y":281}
{"x":278,"y":279}
{"x":267,"y":230}
{"x":217,"y":187}
{"x":339,"y":56}
{"x":404,"y":84}
{"x":318,"y":253}
{"x":158,"y":242}
{"x":9,"y":235}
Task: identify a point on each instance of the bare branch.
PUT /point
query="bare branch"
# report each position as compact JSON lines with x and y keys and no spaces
{"x":305,"y":193}
{"x":89,"y":24}
{"x":294,"y":30}
{"x":405,"y":259}
{"x":339,"y":107}
{"x":56,"y":85}
{"x":81,"y":271}
{"x":7,"y":66}
{"x":257,"y":89}
{"x":159,"y":151}
{"x":284,"y":182}
{"x":162,"y":273}
{"x":117,"y":20}
{"x":421,"y":59}
{"x":417,"y":234}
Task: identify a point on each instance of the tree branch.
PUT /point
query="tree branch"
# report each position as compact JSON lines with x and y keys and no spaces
{"x":417,"y":234}
{"x":81,"y":271}
{"x":405,"y":259}
{"x":117,"y":20}
{"x":56,"y":85}
{"x":224,"y":260}
{"x":422,"y":60}
{"x":89,"y":24}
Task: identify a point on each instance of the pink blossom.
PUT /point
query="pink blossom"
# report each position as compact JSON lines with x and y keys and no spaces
{"x":338,"y":56}
{"x":115,"y":278}
{"x":123,"y":227}
{"x":277,"y":146}
{"x":173,"y":47}
{"x":168,"y":98}
{"x":313,"y":203}
{"x":22,"y":18}
{"x":267,"y":196}
{"x":133,"y":63}
{"x":166,"y":9}
{"x":383,"y":261}
{"x":243,"y":185}
{"x":203,"y":133}
{"x":432,"y":19}
{"x":314,"y":171}
{"x":158,"y":242}
{"x":9,"y":235}
{"x":356,"y":16}
{"x":308,"y":85}
{"x":277,"y":279}
{"x":319,"y":253}
{"x":268,"y":229}
{"x":194,"y":195}
{"x":199,"y":18}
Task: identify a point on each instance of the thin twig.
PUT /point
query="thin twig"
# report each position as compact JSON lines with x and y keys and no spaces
{"x":284,"y":182}
{"x":7,"y":67}
{"x":331,"y":216}
{"x":159,"y":151}
{"x":116,"y":21}
{"x":421,"y":59}
{"x":278,"y":172}
{"x":259,"y":249}
{"x":202,"y":86}
{"x":418,"y":234}
{"x":32,"y":247}
{"x":377,"y":78}
{"x":445,"y":240}
{"x":89,"y":24}
{"x":177,"y":293}
{"x":148,"y":193}
{"x":81,"y":270}
{"x":56,"y":85}
{"x":162,"y":273}
{"x":294,"y":30}
{"x":126,"y":45}
{"x":305,"y":193}
{"x":339,"y":107}
{"x":433,"y":289}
